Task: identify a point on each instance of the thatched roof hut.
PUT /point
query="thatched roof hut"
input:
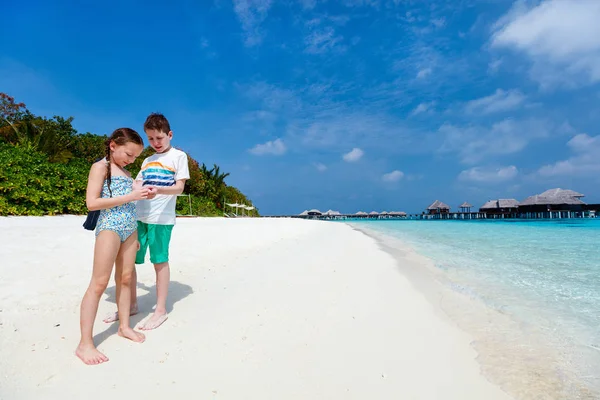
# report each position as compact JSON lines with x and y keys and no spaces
{"x":500,"y":204}
{"x":331,"y":213}
{"x":314,"y":212}
{"x":465,"y":207}
{"x":438,"y":207}
{"x":361,"y":213}
{"x":558,"y":192}
{"x":554,"y":197}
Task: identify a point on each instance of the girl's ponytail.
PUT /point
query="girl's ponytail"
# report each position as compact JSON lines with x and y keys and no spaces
{"x":108,"y":167}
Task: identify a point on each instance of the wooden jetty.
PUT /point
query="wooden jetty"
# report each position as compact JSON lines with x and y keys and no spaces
{"x":551,"y":204}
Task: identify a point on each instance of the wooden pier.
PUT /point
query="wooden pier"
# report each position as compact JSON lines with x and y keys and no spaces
{"x":454,"y":216}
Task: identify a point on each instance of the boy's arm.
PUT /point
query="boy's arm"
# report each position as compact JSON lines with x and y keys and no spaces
{"x":176,"y":189}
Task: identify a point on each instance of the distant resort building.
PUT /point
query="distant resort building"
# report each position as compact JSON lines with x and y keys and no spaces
{"x":465,"y":207}
{"x":437,"y":207}
{"x":553,"y":203}
{"x":501,"y":207}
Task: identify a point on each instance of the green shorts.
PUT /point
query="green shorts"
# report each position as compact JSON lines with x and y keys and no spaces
{"x":157,"y":238}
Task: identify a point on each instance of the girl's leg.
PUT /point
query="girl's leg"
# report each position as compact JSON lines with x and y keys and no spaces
{"x":125,"y":265}
{"x":105,"y":252}
{"x":114,"y":316}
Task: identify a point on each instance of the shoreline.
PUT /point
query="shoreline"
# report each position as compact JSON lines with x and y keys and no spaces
{"x":536,"y":371}
{"x":258,"y":308}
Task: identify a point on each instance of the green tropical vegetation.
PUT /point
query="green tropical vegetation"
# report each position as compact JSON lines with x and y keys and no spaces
{"x":45,"y":164}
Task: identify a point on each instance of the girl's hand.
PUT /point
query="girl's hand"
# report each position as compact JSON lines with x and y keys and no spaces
{"x":139,"y":193}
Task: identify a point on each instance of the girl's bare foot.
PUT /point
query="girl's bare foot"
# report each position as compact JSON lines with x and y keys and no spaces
{"x":112,"y":317}
{"x":154,"y":322}
{"x":90,"y":355}
{"x":130,"y":334}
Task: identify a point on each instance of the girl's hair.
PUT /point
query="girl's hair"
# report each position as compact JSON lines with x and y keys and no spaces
{"x":120,"y":137}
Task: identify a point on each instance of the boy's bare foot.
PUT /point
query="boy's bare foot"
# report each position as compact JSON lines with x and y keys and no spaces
{"x":154,"y":322}
{"x":114,"y":316}
{"x":90,"y":355}
{"x":130,"y":334}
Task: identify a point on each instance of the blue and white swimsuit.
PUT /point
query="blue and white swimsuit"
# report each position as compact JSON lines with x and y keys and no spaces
{"x":120,"y":219}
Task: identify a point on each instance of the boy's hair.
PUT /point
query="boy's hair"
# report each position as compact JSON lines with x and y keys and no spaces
{"x":157,"y":122}
{"x":120,"y":137}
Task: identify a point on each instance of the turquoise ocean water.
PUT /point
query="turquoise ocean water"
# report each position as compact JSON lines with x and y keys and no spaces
{"x":543,"y":275}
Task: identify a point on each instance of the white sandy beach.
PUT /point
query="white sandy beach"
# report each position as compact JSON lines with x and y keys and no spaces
{"x":259,"y":309}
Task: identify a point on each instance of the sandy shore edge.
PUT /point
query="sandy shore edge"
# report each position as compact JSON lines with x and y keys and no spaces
{"x":521,"y":362}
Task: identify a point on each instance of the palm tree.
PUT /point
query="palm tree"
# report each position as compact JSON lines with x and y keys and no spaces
{"x":40,"y":134}
{"x":218,"y":177}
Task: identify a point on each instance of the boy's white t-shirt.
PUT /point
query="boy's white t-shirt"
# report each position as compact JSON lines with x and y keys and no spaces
{"x":161,"y":169}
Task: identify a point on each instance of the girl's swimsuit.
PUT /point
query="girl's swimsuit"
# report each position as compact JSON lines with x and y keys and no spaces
{"x":120,"y":219}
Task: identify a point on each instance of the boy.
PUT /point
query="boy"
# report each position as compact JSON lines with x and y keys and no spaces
{"x":165,"y":173}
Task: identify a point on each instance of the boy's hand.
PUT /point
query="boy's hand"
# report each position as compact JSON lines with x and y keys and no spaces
{"x":152,"y":192}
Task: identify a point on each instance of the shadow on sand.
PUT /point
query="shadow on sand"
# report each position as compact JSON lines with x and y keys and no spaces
{"x":177,"y":291}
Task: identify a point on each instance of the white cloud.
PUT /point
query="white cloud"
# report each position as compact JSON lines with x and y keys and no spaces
{"x":561,"y":37}
{"x":312,"y":116}
{"x":585,"y":159}
{"x":475,"y":143}
{"x":354,"y":155}
{"x":275,"y":147}
{"x":322,"y":41}
{"x":308,"y":4}
{"x":320,"y":167}
{"x":424,"y":73}
{"x":274,"y":99}
{"x":251,"y":14}
{"x":421,"y":108}
{"x":393,"y":176}
{"x":360,"y":3}
{"x":439,"y":22}
{"x":489,"y":175}
{"x":494,"y":66}
{"x":499,"y":101}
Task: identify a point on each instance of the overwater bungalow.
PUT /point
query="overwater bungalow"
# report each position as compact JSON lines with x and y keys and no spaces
{"x":553,"y":203}
{"x":465,"y":207}
{"x":314,"y":212}
{"x":437,"y":207}
{"x":507,"y":208}
{"x":332,"y":213}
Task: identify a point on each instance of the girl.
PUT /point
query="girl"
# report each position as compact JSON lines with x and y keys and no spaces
{"x":111,"y":190}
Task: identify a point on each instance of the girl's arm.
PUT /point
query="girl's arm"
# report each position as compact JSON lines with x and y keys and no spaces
{"x":94,"y":189}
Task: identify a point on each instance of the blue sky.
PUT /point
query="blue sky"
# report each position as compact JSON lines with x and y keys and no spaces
{"x":347,"y":105}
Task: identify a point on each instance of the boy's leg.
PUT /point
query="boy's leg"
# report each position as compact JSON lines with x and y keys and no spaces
{"x":105,"y":252}
{"x":159,"y":239}
{"x":125,"y":264}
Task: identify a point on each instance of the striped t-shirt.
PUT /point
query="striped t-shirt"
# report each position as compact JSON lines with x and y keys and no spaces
{"x":161,"y":169}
